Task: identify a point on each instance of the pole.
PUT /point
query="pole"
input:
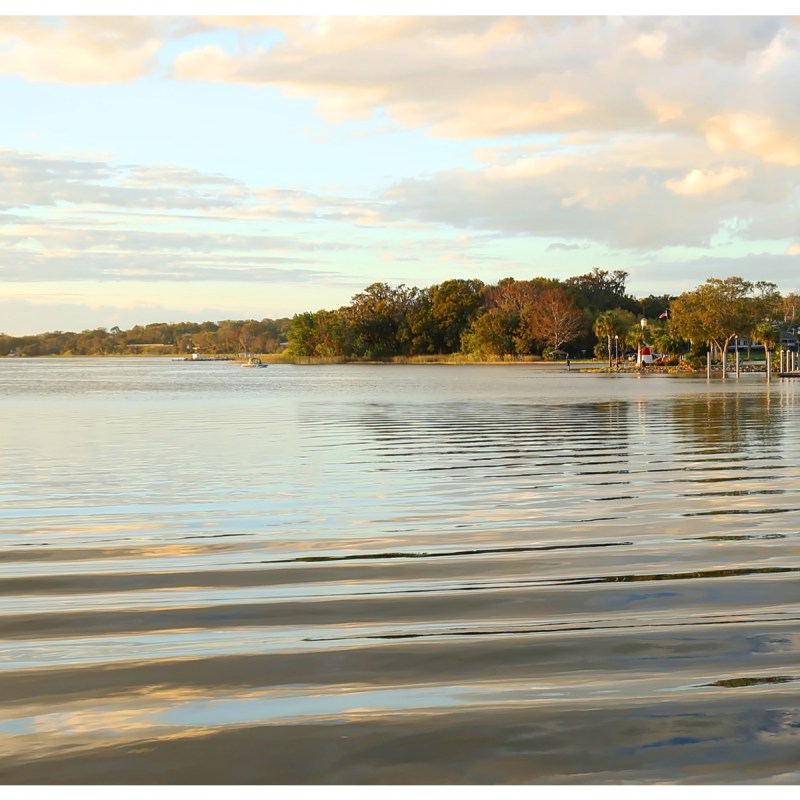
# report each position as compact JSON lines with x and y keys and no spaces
{"x":643,"y":324}
{"x":768,"y":364}
{"x":708,"y":365}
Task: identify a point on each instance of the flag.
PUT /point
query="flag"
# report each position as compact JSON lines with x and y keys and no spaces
{"x":665,"y":315}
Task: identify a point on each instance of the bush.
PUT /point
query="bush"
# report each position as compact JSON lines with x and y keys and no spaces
{"x":696,"y":359}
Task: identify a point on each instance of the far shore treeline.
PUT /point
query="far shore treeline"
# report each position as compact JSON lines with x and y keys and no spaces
{"x":589,"y":316}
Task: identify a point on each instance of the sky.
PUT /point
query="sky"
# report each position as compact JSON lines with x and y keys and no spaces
{"x":170,"y":163}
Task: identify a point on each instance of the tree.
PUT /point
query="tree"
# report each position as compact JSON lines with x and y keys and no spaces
{"x":492,"y":334}
{"x":768,"y":334}
{"x":791,"y":309}
{"x":767,"y":302}
{"x":602,"y":290}
{"x":714,"y":313}
{"x":302,"y":334}
{"x":612,"y":324}
{"x":417,"y":332}
{"x":667,"y":343}
{"x":516,"y":295}
{"x":454,"y":305}
{"x":498,"y":331}
{"x":554,"y":320}
{"x":334,"y":336}
{"x":653,"y":306}
{"x":376,"y":315}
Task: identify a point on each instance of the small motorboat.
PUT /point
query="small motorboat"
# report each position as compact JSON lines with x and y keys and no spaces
{"x":254,"y":362}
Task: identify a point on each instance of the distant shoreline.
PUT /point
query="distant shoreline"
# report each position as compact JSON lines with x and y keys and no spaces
{"x":582,"y":365}
{"x":575,"y":365}
{"x":276,"y":358}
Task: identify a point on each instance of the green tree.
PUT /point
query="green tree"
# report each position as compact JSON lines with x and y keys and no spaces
{"x":767,"y":333}
{"x":767,"y":302}
{"x":653,"y":306}
{"x":605,"y":327}
{"x":454,"y":305}
{"x":335,"y":337}
{"x":376,"y":315}
{"x":492,"y":334}
{"x":791,"y":309}
{"x":417,"y":332}
{"x":302,"y":335}
{"x":667,"y":342}
{"x":602,"y":290}
{"x":714,"y":313}
{"x":613,"y":324}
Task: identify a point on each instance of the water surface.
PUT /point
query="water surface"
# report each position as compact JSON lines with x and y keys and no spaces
{"x":395,"y":574}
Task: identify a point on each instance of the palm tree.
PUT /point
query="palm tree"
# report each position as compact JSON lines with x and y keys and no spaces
{"x":768,"y":334}
{"x":606,"y":325}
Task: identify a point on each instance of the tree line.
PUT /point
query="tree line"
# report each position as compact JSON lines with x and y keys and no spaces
{"x":585,"y":315}
{"x":182,"y":338}
{"x":540,"y":316}
{"x":590,"y":314}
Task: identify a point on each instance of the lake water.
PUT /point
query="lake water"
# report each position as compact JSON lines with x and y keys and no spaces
{"x":396,"y":574}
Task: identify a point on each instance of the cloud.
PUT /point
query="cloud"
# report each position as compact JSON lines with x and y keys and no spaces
{"x":489,"y":76}
{"x":89,"y":219}
{"x":562,"y":247}
{"x":755,"y":134}
{"x":701,"y":181}
{"x":654,"y":275}
{"x":35,"y":266}
{"x":82,"y":49}
{"x":621,"y":193}
{"x":650,"y":45}
{"x":724,"y":78}
{"x":30,"y":179}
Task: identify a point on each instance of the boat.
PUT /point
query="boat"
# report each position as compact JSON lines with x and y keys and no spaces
{"x":254,"y":362}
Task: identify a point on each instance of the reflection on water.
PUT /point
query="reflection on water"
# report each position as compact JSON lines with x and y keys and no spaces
{"x":374,"y":574}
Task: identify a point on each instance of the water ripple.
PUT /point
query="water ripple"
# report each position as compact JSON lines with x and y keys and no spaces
{"x":394,"y":574}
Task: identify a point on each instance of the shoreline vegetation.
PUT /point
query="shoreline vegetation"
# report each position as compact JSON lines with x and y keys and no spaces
{"x":588,"y":366}
{"x":586,"y":320}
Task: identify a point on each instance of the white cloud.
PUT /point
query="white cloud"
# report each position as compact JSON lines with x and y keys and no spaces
{"x":82,"y":49}
{"x":636,"y":133}
{"x":487,"y":76}
{"x":32,"y":179}
{"x":702,"y":181}
{"x":650,"y":45}
{"x":755,"y":134}
{"x":623,"y":194}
